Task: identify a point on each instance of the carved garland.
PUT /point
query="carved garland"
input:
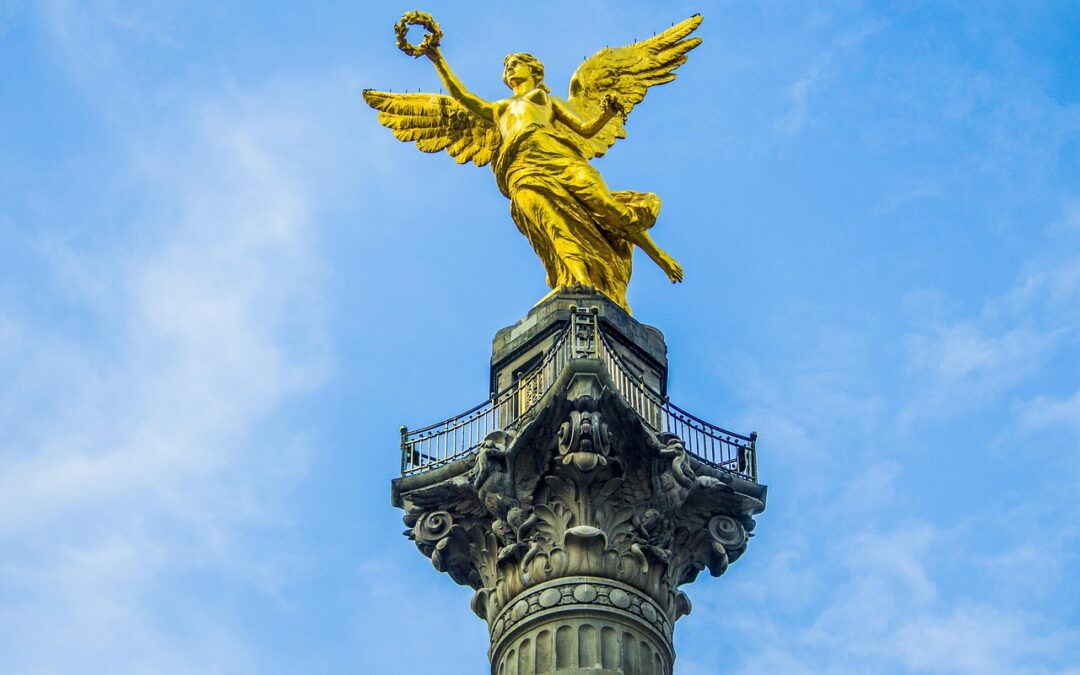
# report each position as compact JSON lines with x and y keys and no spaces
{"x":590,"y":591}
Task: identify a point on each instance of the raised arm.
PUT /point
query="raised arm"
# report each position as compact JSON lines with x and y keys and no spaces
{"x":610,"y":107}
{"x":472,"y":102}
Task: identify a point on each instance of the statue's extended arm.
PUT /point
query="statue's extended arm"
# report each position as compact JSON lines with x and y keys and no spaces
{"x":472,"y":102}
{"x":610,"y":108}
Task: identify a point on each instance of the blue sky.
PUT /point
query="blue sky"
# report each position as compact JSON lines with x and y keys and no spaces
{"x":223,"y":286}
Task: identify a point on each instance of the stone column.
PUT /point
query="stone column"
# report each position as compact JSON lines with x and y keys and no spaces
{"x":578,"y":523}
{"x":581,"y":624}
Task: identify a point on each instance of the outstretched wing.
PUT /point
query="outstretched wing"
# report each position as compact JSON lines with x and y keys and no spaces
{"x":436,"y":122}
{"x":627,"y":73}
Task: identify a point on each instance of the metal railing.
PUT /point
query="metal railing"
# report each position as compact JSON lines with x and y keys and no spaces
{"x":711,"y":444}
{"x":443,"y":442}
{"x":583,"y":338}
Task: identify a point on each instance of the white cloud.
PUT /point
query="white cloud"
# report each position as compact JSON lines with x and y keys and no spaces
{"x":1050,"y":290}
{"x":799,"y":93}
{"x":871,"y":601}
{"x":885,"y":576}
{"x":962,"y":351}
{"x":817,"y":75}
{"x":140,"y":450}
{"x":1044,"y":411}
{"x":138,"y":445}
{"x":967,"y":362}
{"x":976,"y":640}
{"x":871,"y":490}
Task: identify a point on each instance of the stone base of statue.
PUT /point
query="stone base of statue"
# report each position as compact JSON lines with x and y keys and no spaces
{"x":578,"y":499}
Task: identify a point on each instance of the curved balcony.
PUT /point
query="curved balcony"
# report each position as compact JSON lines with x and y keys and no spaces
{"x":584,"y":337}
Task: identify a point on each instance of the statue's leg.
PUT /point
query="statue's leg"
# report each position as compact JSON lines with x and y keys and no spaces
{"x":588,"y":186}
{"x":644,"y":241}
{"x":619,"y":217}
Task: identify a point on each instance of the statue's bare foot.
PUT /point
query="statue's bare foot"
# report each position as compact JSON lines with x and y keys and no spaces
{"x":672,"y":269}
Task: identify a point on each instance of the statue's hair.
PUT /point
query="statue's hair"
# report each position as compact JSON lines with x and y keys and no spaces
{"x":530,"y":62}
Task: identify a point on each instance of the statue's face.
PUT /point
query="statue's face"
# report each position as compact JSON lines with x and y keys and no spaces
{"x":517,"y":73}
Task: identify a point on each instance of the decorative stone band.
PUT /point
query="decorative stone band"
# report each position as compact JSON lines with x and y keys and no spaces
{"x":581,"y":624}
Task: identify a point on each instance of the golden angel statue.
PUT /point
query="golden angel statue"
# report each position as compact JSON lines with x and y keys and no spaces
{"x":539,"y":146}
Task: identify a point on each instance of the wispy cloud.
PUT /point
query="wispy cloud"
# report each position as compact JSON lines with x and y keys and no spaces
{"x":842,"y":45}
{"x":143,"y":454}
{"x":171,"y":316}
{"x":965,"y":364}
{"x":1043,"y":411}
{"x":968,"y":361}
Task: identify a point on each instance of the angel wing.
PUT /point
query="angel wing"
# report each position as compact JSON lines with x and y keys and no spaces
{"x":627,"y":72}
{"x":435,"y":123}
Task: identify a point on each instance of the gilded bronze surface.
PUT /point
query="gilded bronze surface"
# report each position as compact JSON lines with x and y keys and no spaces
{"x":539,"y":146}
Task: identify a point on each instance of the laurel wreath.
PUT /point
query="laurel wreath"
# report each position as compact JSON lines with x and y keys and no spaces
{"x":424,"y":20}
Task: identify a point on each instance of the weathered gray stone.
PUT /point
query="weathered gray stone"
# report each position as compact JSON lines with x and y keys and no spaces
{"x":578,"y":525}
{"x":516,"y":346}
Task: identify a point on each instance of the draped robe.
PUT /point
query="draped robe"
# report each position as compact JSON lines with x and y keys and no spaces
{"x":563,"y":206}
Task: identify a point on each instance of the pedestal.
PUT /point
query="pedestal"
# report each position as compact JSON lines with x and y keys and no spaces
{"x":578,"y":499}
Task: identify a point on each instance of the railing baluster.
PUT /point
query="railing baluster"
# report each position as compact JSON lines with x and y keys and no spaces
{"x":582,"y":337}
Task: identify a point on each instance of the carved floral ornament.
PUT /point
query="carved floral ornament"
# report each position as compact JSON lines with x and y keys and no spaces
{"x":584,"y":438}
{"x":566,"y":497}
